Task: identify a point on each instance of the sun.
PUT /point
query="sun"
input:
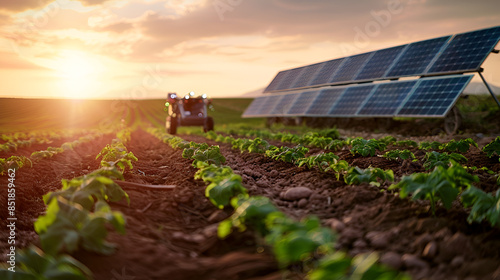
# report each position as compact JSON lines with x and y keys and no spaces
{"x":78,"y":74}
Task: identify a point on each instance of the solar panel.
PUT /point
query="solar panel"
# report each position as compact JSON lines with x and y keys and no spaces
{"x":417,"y":57}
{"x":466,"y":51}
{"x":350,"y":68}
{"x":290,"y":78}
{"x":326,"y":71}
{"x":387,"y":98}
{"x":256,"y":105}
{"x":434,"y":97}
{"x":302,"y":103}
{"x":324,"y":102}
{"x":353,"y":98}
{"x":276,"y":81}
{"x":379,"y":63}
{"x":284,"y":104}
{"x":306,"y":76}
{"x":268,"y":106}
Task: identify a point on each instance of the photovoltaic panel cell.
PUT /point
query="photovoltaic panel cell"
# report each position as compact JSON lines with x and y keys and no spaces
{"x":269,"y":105}
{"x":276,"y":81}
{"x":256,"y":105}
{"x":324,"y":102}
{"x":290,"y":78}
{"x":434,"y":96}
{"x":307,"y":75}
{"x":350,"y":68}
{"x":466,"y":51}
{"x":417,"y":57}
{"x":378,"y":64}
{"x":326,"y":71}
{"x":284,"y":104}
{"x":351,"y":100}
{"x":387,"y":98}
{"x":302,"y":103}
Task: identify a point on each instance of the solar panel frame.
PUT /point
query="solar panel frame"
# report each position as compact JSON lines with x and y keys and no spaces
{"x":351,"y":100}
{"x":303,"y":102}
{"x":350,"y":68}
{"x":386,"y":99}
{"x":326,"y":99}
{"x":430,"y":99}
{"x":417,"y":57}
{"x":464,"y":53}
{"x":379,"y":63}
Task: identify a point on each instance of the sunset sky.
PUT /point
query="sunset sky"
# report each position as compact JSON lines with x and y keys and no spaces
{"x":146,"y":48}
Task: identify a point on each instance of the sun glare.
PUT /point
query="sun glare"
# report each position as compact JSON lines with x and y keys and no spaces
{"x":78,"y":73}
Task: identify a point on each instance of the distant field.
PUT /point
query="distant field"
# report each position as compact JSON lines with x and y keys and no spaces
{"x":38,"y":114}
{"x":480,"y":113}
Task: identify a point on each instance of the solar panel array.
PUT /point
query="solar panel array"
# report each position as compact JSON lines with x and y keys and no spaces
{"x":426,"y":97}
{"x":460,"y":53}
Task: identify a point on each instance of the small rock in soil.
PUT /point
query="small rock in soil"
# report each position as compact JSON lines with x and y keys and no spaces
{"x":457,"y":261}
{"x":458,"y":244}
{"x":421,"y":241}
{"x":337,"y":225}
{"x":197,"y":238}
{"x":430,"y":224}
{"x":297,"y":193}
{"x":210,"y":231}
{"x":430,"y":250}
{"x":178,"y":235}
{"x":443,"y":233}
{"x":302,"y":203}
{"x":360,"y":243}
{"x":379,"y":240}
{"x":217,"y":216}
{"x":412,"y":262}
{"x":351,"y":234}
{"x":392,"y":259}
{"x":274,"y":173}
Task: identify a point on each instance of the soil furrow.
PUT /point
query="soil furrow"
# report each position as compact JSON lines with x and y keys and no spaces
{"x":171,"y":234}
{"x":403,"y":232}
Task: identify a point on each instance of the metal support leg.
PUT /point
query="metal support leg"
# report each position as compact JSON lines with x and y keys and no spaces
{"x":489,"y":89}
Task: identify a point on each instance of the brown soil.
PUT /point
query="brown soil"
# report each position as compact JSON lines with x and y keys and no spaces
{"x":370,"y":220}
{"x":171,"y":234}
{"x":27,"y":151}
{"x":46,"y":175}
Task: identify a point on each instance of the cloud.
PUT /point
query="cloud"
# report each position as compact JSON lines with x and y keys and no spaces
{"x":23,"y":5}
{"x":14,"y":62}
{"x":93,"y":2}
{"x":118,"y":27}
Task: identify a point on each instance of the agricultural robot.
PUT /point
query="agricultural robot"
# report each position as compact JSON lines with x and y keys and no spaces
{"x":188,"y":111}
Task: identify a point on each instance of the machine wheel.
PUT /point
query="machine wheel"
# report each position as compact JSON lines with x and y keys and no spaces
{"x":452,"y":121}
{"x":209,"y":124}
{"x":171,"y":125}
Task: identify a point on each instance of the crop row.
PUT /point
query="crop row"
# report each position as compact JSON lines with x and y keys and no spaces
{"x":77,"y":217}
{"x":20,"y":139}
{"x":446,"y":181}
{"x":16,"y":162}
{"x":330,"y":139}
{"x":305,"y":243}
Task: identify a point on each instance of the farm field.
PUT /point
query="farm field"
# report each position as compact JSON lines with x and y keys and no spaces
{"x":293,"y":209}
